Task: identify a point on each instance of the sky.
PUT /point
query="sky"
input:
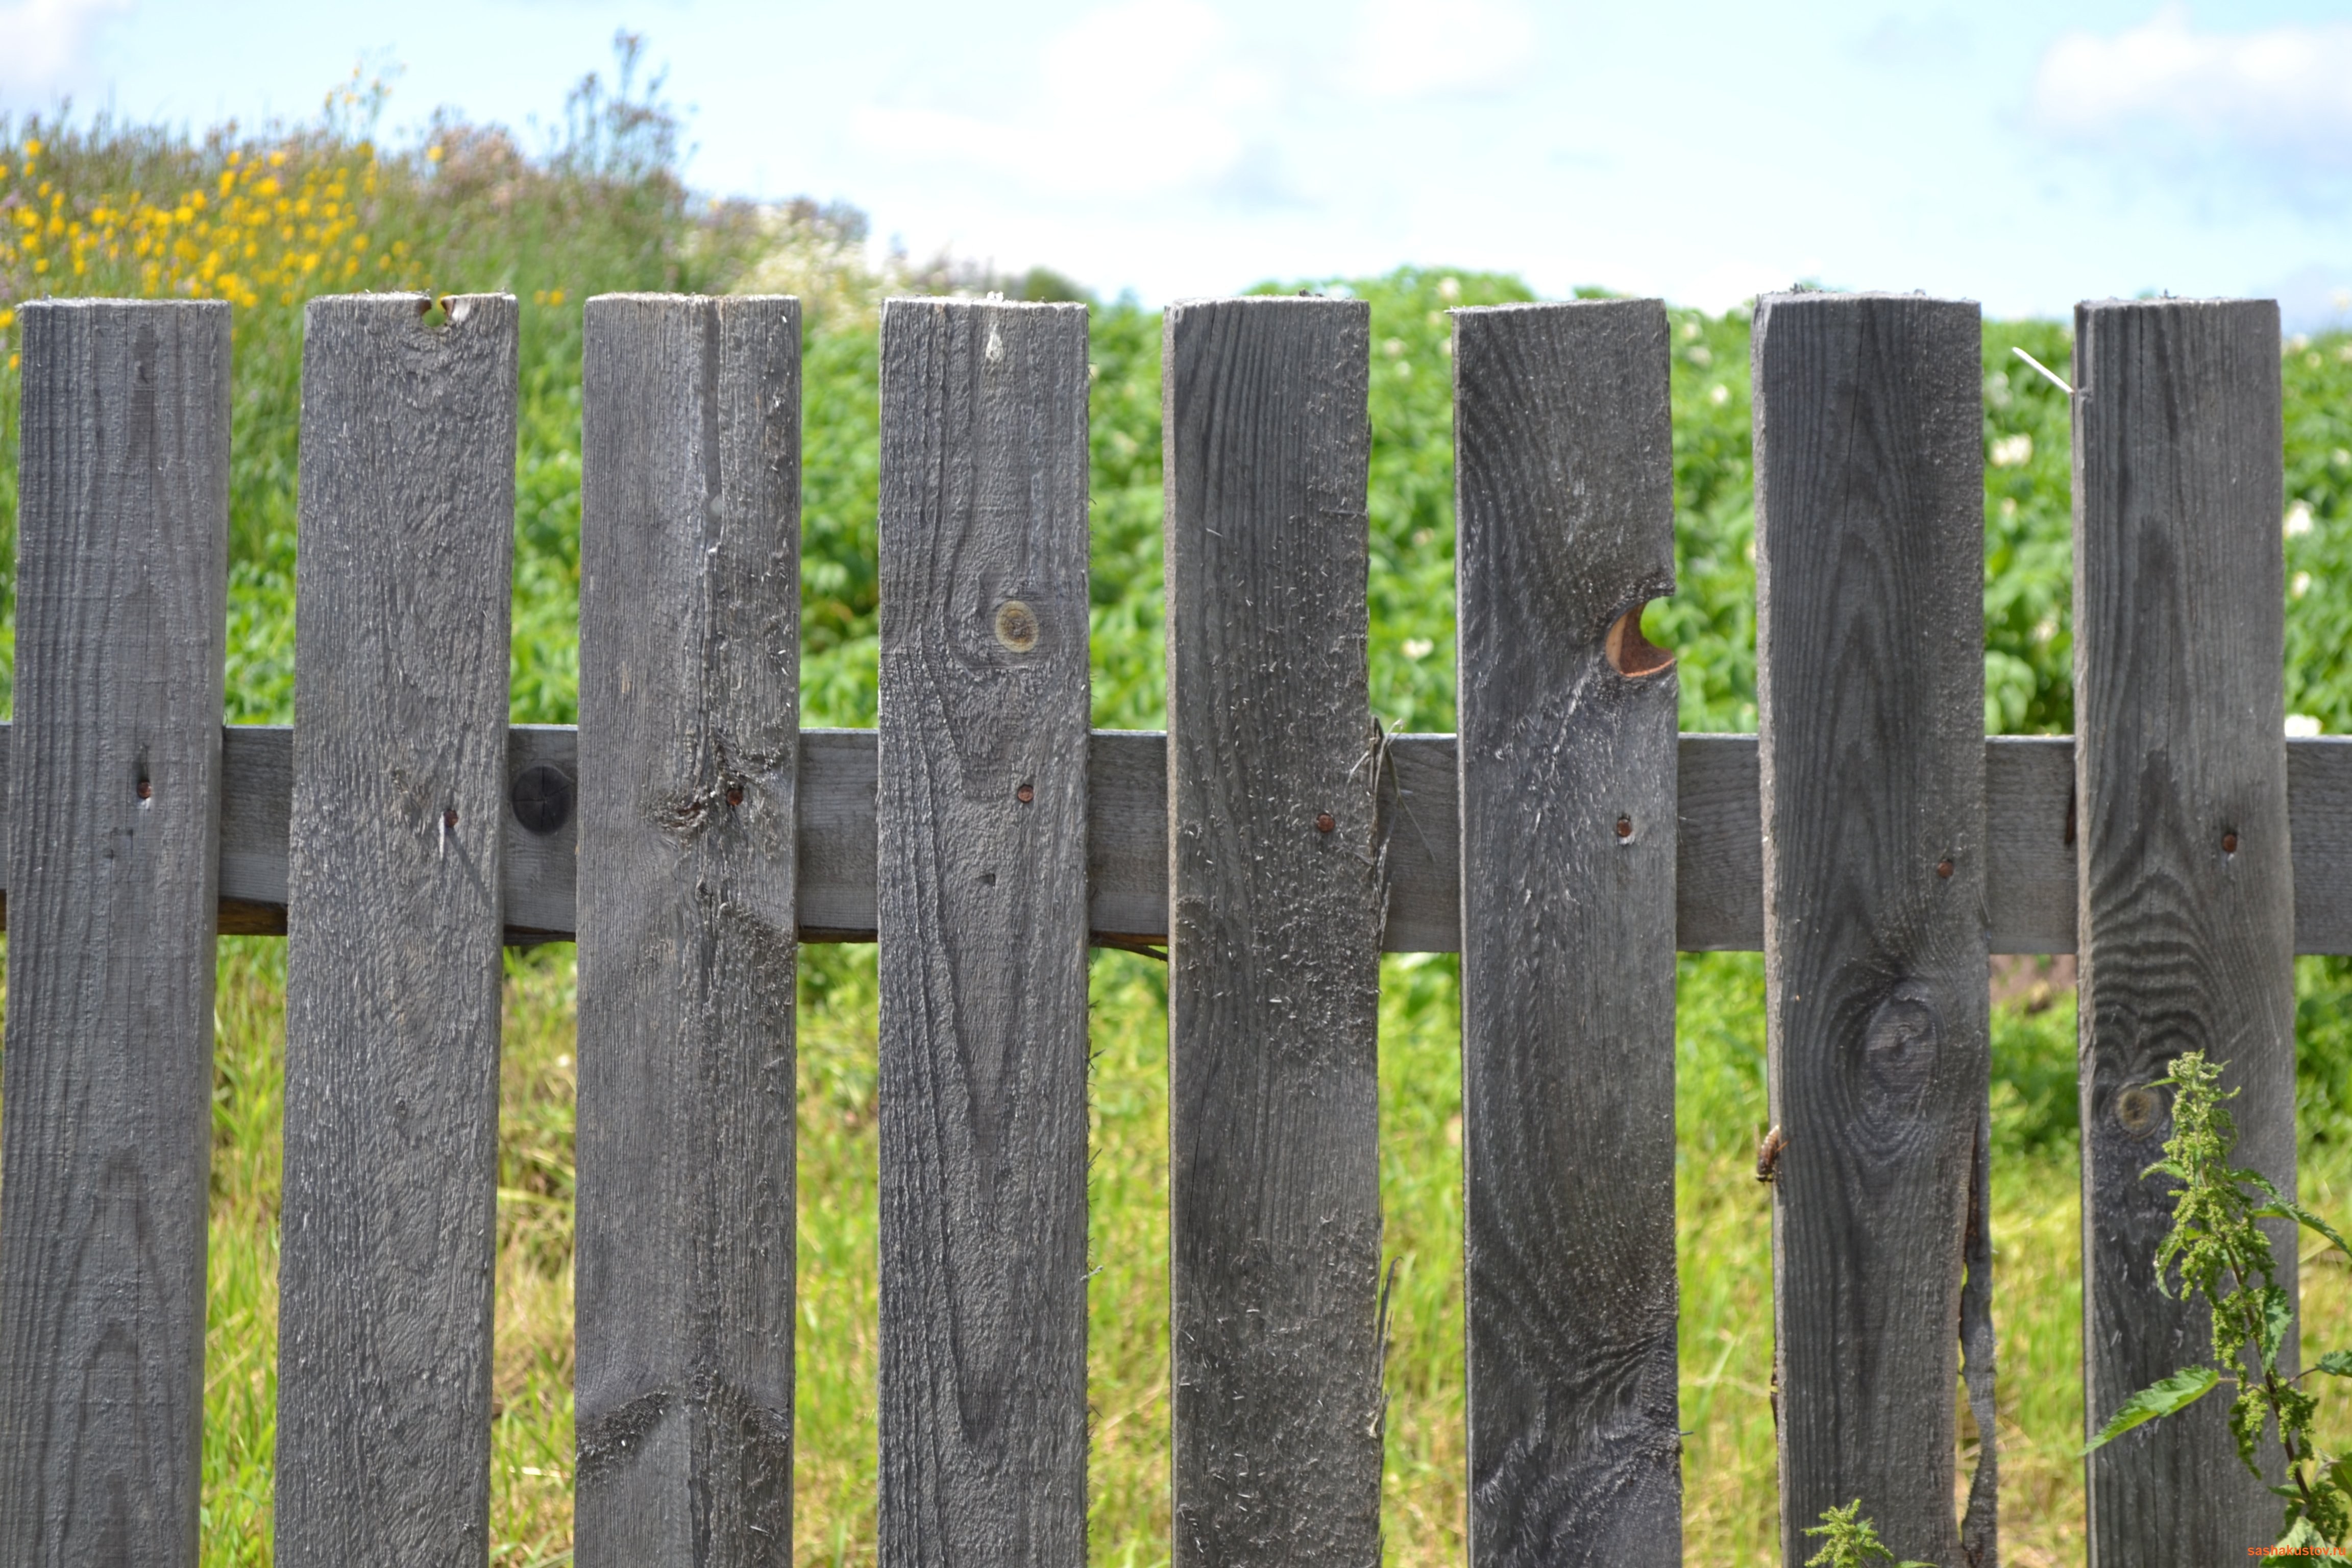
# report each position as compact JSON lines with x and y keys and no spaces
{"x":2024,"y":153}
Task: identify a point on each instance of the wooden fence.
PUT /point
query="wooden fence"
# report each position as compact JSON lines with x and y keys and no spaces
{"x":1870,"y":840}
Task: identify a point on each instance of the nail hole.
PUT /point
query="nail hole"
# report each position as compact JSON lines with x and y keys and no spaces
{"x":146,"y":790}
{"x":2229,"y":843}
{"x":449,"y":817}
{"x":734,"y":795}
{"x":1943,"y":868}
{"x":1024,"y":795}
{"x":1629,"y":652}
{"x":1624,"y":827}
{"x":1323,"y":823}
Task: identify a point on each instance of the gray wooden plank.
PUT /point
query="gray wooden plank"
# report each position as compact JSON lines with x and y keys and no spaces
{"x":1276,"y":903}
{"x":397,"y":836}
{"x":122,"y":562}
{"x":1720,"y":853}
{"x":1564,"y":471}
{"x":1870,"y":676}
{"x":688,"y":742}
{"x":2186,"y":899}
{"x":982,"y":907}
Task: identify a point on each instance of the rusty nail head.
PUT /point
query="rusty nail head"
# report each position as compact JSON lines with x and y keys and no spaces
{"x":1323,"y":823}
{"x":146,"y":790}
{"x":1943,"y":867}
{"x":734,"y":795}
{"x":1624,"y":827}
{"x":1024,"y":795}
{"x":2229,"y":843}
{"x":449,"y":817}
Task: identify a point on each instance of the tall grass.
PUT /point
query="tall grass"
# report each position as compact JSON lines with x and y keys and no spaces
{"x":599,"y":207}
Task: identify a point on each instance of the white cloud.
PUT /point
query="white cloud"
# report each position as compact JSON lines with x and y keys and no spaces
{"x":44,"y":40}
{"x":2285,"y":89}
{"x":1143,"y":97}
{"x":1421,"y":49}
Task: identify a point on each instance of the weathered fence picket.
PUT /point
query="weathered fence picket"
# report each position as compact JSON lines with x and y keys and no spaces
{"x":1275,"y":897}
{"x":2188,"y":907}
{"x":1565,"y":529}
{"x":981,"y":905}
{"x":389,"y":1219}
{"x":1870,"y":687}
{"x":689,"y":743}
{"x":1871,"y":840}
{"x":122,"y":562}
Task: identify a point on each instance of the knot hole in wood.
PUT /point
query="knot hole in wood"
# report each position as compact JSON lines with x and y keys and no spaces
{"x":1629,"y":652}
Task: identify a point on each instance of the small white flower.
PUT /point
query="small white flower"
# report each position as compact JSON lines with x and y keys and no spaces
{"x":2045,"y":629}
{"x":1418,"y":648}
{"x":2298,"y":519}
{"x":2302,"y":726}
{"x":2012,"y":451}
{"x":2300,"y":585}
{"x":1718,"y":395}
{"x":1449,"y":288}
{"x":1394,"y":348}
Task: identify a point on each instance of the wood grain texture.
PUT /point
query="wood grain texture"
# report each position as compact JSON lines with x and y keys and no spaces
{"x":122,"y":561}
{"x":1564,"y":472}
{"x":689,"y":689}
{"x":2186,"y":911}
{"x":392,"y":966}
{"x":1276,"y":897}
{"x":982,"y":903}
{"x":1870,"y":677}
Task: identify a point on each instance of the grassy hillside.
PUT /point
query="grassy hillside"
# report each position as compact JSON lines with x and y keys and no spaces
{"x":267,"y":218}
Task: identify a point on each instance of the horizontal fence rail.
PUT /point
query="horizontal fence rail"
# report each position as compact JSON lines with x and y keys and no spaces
{"x":2030,"y":852}
{"x":1869,"y":840}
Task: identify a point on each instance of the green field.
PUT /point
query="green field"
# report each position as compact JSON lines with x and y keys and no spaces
{"x":292,"y":211}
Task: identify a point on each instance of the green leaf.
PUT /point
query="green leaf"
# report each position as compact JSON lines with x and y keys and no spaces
{"x":2278,"y":1317}
{"x":2335,"y":1364}
{"x":2162,"y":1398}
{"x":2302,"y":1533}
{"x":2280,"y":1207}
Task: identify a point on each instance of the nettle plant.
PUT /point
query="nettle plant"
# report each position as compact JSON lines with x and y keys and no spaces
{"x":1852,"y":1541}
{"x":2222,"y":1254}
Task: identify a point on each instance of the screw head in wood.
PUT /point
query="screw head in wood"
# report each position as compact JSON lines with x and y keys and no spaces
{"x":1017,"y":625}
{"x":1944,"y":869}
{"x":541,"y":796}
{"x":2229,"y":843}
{"x":1323,"y":823}
{"x":1624,"y":827}
{"x":1024,"y":795}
